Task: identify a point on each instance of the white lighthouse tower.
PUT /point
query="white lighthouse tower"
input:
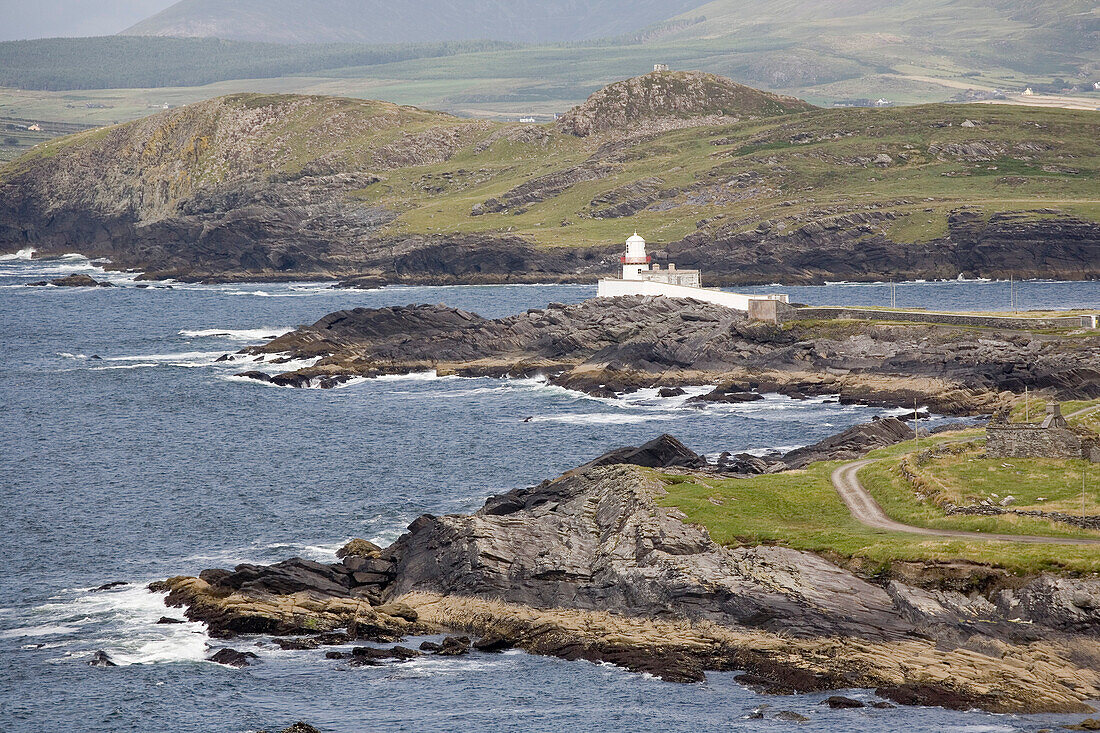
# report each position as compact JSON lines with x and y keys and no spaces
{"x":635,"y":261}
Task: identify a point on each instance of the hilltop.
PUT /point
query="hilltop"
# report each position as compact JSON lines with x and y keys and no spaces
{"x":671,"y":98}
{"x":760,"y":189}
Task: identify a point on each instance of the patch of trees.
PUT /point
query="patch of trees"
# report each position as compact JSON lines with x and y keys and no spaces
{"x":125,"y":62}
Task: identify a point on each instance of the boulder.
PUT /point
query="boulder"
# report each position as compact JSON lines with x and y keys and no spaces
{"x":101,"y":659}
{"x":78,"y":281}
{"x":728,"y":394}
{"x":852,"y":443}
{"x":233,"y":658}
{"x":492,"y":643}
{"x":364,"y":656}
{"x":289,"y":576}
{"x":663,"y":452}
{"x":839,"y":702}
{"x":454,"y":646}
{"x":358,"y":548}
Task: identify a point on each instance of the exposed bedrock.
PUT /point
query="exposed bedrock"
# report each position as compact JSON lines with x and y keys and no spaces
{"x":279,"y":233}
{"x":852,"y":247}
{"x":261,"y":231}
{"x":591,"y":566}
{"x":308,"y":227}
{"x":611,"y":345}
{"x":625,"y":554}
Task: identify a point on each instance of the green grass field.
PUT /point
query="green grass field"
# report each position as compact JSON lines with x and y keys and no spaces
{"x":800,"y":509}
{"x":1033,"y":410}
{"x":966,"y":478}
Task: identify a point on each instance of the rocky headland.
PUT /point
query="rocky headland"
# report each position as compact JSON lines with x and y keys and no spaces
{"x":760,"y":189}
{"x":607,"y":346}
{"x":591,"y":566}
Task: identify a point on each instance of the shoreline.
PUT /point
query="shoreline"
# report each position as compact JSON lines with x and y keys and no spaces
{"x":610,"y":346}
{"x":634,"y":585}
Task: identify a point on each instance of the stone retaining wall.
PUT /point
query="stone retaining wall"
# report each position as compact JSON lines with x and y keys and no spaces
{"x":784,"y":313}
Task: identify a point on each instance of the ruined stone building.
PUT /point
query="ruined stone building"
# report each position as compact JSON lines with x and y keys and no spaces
{"x":1053,"y":438}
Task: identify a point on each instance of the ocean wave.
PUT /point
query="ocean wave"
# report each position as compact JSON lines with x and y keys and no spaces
{"x":428,"y":376}
{"x":253,"y":382}
{"x":126,"y":366}
{"x":605,"y":419}
{"x":24,"y":255}
{"x":184,"y":356}
{"x":122,"y":622}
{"x":238,"y":334}
{"x":36,"y":631}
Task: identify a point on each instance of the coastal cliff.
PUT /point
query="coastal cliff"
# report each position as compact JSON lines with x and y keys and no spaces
{"x":592,"y":566}
{"x":606,"y":346}
{"x":750,"y":186}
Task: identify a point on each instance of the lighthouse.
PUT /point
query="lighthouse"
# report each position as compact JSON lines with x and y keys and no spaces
{"x":635,"y":261}
{"x":642,"y":276}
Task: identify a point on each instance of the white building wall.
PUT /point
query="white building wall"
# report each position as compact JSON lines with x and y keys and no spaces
{"x":738,"y":301}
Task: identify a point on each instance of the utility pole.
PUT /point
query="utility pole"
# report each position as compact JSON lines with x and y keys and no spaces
{"x":1027,"y":415}
{"x":916,"y":430}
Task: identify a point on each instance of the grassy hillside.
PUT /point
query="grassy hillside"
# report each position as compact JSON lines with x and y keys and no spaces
{"x":800,"y":509}
{"x":440,"y":174}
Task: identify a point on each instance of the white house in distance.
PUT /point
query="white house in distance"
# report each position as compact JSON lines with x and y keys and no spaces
{"x":642,"y":277}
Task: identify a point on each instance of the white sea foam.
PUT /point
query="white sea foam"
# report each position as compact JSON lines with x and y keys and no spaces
{"x":23,"y":254}
{"x":605,"y":419}
{"x":253,"y":382}
{"x":123,"y":623}
{"x":184,"y":356}
{"x":427,"y":376}
{"x":125,"y":366}
{"x":34,"y":631}
{"x":238,"y":334}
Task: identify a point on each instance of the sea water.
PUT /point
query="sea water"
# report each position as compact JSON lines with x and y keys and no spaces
{"x":128,"y":453}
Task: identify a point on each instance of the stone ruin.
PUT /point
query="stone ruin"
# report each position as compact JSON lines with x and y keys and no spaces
{"x":1053,"y":438}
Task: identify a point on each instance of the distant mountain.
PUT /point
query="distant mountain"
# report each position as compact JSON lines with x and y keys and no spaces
{"x":383,"y":21}
{"x":800,"y":43}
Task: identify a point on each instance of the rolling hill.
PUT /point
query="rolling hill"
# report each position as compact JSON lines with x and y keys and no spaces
{"x":750,"y":186}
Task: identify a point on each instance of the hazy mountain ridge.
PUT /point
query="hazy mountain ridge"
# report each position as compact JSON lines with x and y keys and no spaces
{"x":375,"y":21}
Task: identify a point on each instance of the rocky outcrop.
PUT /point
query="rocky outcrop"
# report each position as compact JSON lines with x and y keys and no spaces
{"x":612,"y":345}
{"x":591,"y":566}
{"x":676,"y":97}
{"x":659,"y":566}
{"x":74,"y":281}
{"x":663,"y":452}
{"x":852,"y":443}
